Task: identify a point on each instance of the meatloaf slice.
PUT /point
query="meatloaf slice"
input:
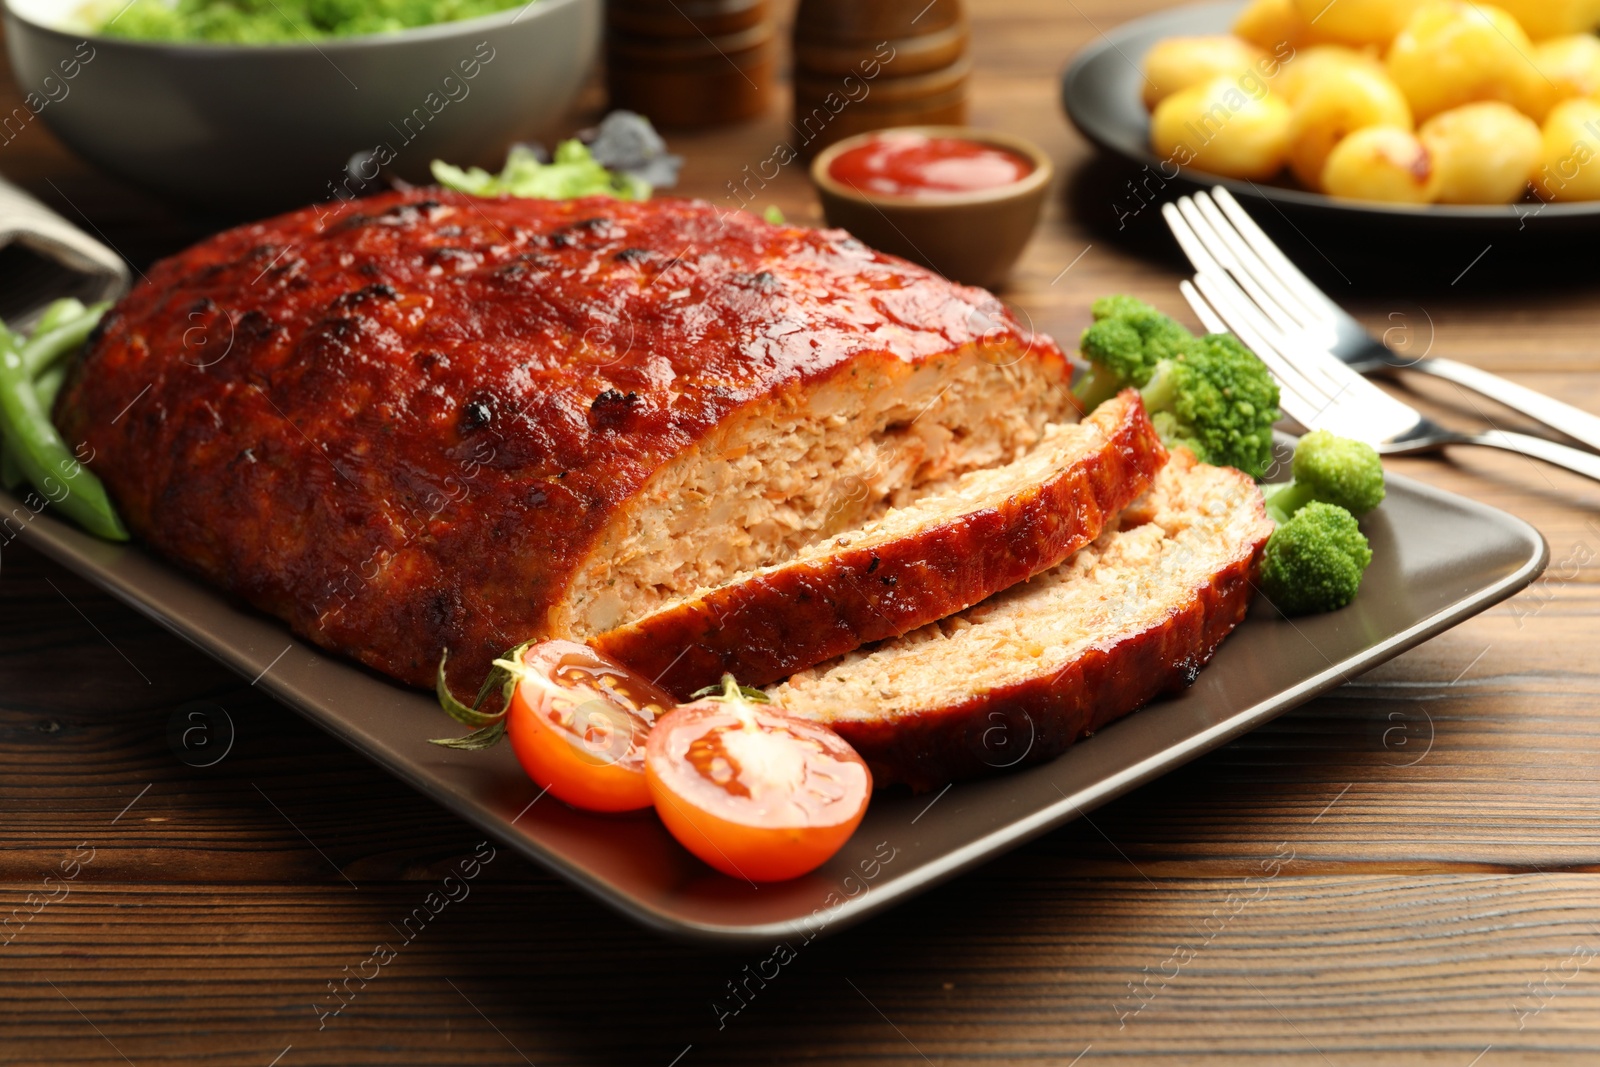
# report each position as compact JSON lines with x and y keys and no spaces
{"x":938,"y":555}
{"x":425,"y":421}
{"x":1023,"y":675}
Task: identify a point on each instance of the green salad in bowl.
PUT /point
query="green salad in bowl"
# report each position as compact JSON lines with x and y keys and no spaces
{"x":275,"y":21}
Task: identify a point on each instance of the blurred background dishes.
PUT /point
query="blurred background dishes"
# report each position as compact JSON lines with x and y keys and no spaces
{"x":683,"y":63}
{"x":685,"y":18}
{"x":864,"y":65}
{"x":1102,"y":92}
{"x":255,"y":128}
{"x":973,"y":236}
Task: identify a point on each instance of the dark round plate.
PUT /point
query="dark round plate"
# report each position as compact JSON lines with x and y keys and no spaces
{"x":1101,"y":94}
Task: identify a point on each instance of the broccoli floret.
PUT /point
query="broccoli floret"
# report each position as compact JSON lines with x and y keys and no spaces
{"x":1334,"y":470}
{"x":1209,"y":394}
{"x":1314,"y":562}
{"x":1216,"y":398}
{"x":1119,"y":306}
{"x":1124,"y":345}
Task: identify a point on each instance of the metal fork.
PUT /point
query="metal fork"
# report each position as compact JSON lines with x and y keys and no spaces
{"x":1245,"y":285}
{"x":1327,"y":323}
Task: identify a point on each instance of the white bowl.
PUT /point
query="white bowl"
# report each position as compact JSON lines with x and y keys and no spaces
{"x":259,"y":127}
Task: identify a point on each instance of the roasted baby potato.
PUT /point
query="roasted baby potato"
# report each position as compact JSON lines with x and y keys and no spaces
{"x":1470,"y":108}
{"x":1358,"y":22}
{"x":1220,"y":127}
{"x":1385,"y":163}
{"x":1308,"y":65}
{"x":1276,"y":26}
{"x":1335,"y":103}
{"x":1483,"y":153}
{"x":1453,"y":53}
{"x":1179,"y":62}
{"x":1554,"y":18}
{"x":1569,"y":164}
{"x":1567,"y":67}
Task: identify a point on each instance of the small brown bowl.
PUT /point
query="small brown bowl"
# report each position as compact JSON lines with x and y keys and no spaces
{"x":973,"y":237}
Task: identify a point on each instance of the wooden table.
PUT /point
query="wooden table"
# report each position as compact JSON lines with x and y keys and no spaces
{"x":1435,"y":821}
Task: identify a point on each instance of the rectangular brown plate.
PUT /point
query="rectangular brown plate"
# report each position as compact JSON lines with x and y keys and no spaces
{"x":1437,"y":559}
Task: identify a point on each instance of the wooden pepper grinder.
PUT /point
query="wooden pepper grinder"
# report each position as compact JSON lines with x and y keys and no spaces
{"x":864,"y":65}
{"x":691,"y":62}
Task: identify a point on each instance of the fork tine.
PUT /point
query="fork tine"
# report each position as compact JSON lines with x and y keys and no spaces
{"x":1351,"y":411}
{"x":1290,"y":275}
{"x":1222,"y":253}
{"x":1293,"y":404}
{"x":1193,"y":248}
{"x":1208,"y":255}
{"x":1244,"y":276}
{"x":1306,"y":319}
{"x":1352,"y":406}
{"x":1206,"y":313}
{"x":1300,"y":397}
{"x":1304,"y":395}
{"x":1321,"y":381}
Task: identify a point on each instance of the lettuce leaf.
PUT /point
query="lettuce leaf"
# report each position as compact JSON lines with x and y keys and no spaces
{"x":572,"y":173}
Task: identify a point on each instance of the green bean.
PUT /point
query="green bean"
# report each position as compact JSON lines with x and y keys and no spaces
{"x":55,"y":314}
{"x":65,"y":334}
{"x":33,"y":442}
{"x":58,"y":312}
{"x":48,"y":386}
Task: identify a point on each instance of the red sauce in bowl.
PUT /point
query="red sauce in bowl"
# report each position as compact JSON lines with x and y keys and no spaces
{"x":917,"y":165}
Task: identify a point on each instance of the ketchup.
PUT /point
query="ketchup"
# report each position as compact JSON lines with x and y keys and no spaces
{"x":916,"y":165}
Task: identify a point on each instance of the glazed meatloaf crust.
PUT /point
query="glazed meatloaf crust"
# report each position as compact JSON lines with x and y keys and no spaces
{"x":425,"y":421}
{"x":945,"y":552}
{"x":1020,"y":677}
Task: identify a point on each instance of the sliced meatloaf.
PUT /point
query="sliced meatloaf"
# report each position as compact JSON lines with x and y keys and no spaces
{"x":1026,"y":673}
{"x":426,"y":421}
{"x":942,"y":553}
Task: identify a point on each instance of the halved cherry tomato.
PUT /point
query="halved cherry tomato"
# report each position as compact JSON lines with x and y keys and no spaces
{"x":757,"y":794}
{"x":578,"y":724}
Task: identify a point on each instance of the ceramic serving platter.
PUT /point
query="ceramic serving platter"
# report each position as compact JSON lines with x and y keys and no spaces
{"x":1437,"y":559}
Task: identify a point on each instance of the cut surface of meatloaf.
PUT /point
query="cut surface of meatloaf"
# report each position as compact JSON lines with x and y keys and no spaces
{"x":425,"y":421}
{"x":1020,"y":677}
{"x":938,"y":555}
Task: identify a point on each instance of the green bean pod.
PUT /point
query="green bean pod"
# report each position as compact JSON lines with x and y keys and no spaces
{"x":57,"y":312}
{"x":58,"y":335}
{"x":48,"y":386}
{"x":44,"y":458}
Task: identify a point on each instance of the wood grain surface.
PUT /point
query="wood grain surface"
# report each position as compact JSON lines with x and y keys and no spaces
{"x":1401,"y":872}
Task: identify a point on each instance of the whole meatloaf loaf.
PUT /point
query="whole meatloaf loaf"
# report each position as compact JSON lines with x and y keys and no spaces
{"x":424,"y":421}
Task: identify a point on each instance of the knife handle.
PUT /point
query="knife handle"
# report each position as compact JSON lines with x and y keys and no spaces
{"x":1573,"y":422}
